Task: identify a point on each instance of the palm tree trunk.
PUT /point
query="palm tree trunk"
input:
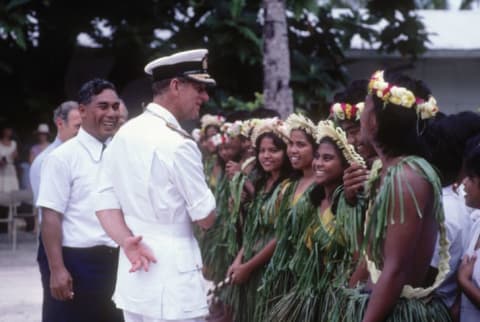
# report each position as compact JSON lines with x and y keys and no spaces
{"x":276,"y":58}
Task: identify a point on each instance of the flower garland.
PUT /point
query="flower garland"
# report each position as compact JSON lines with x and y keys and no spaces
{"x":345,"y":111}
{"x":401,"y":96}
{"x":248,"y":126}
{"x":209,"y":119}
{"x":300,"y":122}
{"x":427,"y":109}
{"x":408,"y":291}
{"x":232,"y":129}
{"x":274,"y":125}
{"x":219,"y":138}
{"x":327,"y":128}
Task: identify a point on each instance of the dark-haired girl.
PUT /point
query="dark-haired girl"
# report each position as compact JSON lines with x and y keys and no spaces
{"x":294,"y":212}
{"x":272,"y":167}
{"x":405,"y":214}
{"x":323,"y":253}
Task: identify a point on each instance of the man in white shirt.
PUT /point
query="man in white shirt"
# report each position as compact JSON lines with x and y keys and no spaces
{"x":81,"y":258}
{"x":67,"y":119}
{"x":152,"y":188}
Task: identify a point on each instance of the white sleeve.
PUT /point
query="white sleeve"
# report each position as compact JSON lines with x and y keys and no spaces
{"x":189,"y":179}
{"x":105,"y":197}
{"x":34,"y":176}
{"x":55,"y":187}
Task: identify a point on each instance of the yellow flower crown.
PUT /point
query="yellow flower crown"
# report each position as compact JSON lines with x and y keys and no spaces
{"x":208,"y":119}
{"x":401,"y":96}
{"x":328,"y":129}
{"x":273,"y":125}
{"x":300,"y":122}
{"x":345,"y":111}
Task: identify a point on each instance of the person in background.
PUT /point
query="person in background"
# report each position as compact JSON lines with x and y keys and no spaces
{"x":8,"y":154}
{"x":42,"y":133}
{"x":67,"y":120}
{"x":123,"y":118}
{"x":8,"y":173}
{"x":469,"y":270}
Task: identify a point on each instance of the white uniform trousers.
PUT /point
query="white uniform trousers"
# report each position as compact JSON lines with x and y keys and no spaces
{"x":134,"y":317}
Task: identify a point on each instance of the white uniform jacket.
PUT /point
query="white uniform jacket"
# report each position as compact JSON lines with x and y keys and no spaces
{"x":155,"y":175}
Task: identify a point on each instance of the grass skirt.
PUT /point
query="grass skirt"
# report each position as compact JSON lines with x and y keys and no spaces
{"x":349,"y":305}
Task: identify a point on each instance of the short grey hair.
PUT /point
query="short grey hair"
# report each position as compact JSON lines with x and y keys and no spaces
{"x":63,"y":110}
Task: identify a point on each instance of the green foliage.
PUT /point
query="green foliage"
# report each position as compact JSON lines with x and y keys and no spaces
{"x":14,"y":23}
{"x":232,"y":103}
{"x":39,"y":54}
{"x":404,"y":32}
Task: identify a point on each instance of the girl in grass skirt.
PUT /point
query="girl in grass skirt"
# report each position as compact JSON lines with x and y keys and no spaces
{"x":294,"y":212}
{"x":404,"y":215}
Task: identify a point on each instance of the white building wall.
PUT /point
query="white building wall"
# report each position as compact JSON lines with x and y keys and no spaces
{"x":455,"y":81}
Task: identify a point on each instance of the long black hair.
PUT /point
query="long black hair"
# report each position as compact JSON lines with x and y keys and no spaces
{"x":354,"y":93}
{"x":447,"y":139}
{"x":261,"y":175}
{"x":399,"y":128}
{"x":472,"y":163}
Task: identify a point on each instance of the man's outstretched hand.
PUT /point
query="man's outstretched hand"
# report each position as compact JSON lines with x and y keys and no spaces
{"x":139,"y":255}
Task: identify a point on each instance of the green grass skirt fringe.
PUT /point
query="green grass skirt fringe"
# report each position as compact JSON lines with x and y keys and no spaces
{"x":349,"y":305}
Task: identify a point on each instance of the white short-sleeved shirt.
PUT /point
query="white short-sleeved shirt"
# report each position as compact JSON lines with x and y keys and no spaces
{"x":35,"y":170}
{"x":458,"y":224}
{"x":469,"y":312}
{"x":68,"y":186}
{"x":155,"y":175}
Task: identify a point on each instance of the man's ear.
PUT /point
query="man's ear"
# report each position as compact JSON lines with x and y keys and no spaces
{"x":82,"y":109}
{"x":59,"y":122}
{"x":174,"y":85}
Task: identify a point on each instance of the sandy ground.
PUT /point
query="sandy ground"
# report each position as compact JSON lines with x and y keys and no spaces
{"x":20,"y":287}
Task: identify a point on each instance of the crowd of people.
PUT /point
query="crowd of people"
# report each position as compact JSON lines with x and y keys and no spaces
{"x":367,"y":215}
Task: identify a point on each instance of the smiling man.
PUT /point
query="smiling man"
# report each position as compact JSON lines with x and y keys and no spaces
{"x":152,"y":190}
{"x":81,"y":259}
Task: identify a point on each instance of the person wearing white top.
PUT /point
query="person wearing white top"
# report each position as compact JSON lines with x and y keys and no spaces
{"x":458,"y":223}
{"x":67,"y":119}
{"x":469,"y":271}
{"x":149,"y":198}
{"x":81,"y":258}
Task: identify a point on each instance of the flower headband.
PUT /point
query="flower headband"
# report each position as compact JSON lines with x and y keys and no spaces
{"x":345,"y":111}
{"x":248,"y":126}
{"x":327,"y":128}
{"x":300,"y":122}
{"x":232,"y":129}
{"x":219,"y":138}
{"x":208,"y":119}
{"x":273,"y":125}
{"x":401,"y":96}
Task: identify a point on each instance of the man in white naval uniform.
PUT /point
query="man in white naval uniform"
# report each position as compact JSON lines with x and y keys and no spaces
{"x":152,"y":188}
